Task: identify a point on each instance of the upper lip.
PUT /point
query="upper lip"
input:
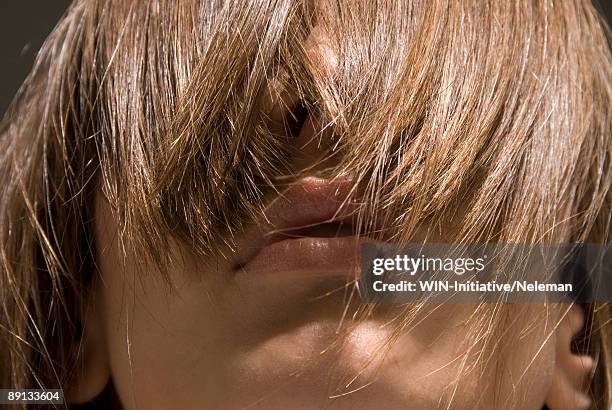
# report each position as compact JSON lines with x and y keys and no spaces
{"x":306,"y":203}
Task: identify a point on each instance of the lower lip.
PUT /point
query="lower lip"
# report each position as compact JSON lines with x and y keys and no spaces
{"x":336,"y":256}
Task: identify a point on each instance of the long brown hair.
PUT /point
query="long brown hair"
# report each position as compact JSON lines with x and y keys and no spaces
{"x":504,"y":107}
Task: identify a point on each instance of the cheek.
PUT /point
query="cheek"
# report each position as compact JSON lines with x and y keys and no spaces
{"x":528,"y":351}
{"x":158,"y":336}
{"x":443,"y":358}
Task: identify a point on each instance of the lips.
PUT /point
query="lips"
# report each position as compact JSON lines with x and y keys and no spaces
{"x":308,"y":229}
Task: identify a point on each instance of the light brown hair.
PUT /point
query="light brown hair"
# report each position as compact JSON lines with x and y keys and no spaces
{"x":504,"y":107}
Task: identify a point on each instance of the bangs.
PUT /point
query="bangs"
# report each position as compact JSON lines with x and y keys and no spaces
{"x":494,"y":119}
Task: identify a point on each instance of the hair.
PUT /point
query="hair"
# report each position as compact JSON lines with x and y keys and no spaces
{"x":502,"y":107}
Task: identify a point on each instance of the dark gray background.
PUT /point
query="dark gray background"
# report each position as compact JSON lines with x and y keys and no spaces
{"x":24,"y":24}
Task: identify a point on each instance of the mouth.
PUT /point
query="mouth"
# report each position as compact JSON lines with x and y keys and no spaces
{"x":310,"y":229}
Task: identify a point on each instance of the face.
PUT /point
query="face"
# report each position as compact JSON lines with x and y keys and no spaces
{"x":272,"y":323}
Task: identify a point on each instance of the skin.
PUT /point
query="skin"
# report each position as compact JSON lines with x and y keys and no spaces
{"x":216,"y":339}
